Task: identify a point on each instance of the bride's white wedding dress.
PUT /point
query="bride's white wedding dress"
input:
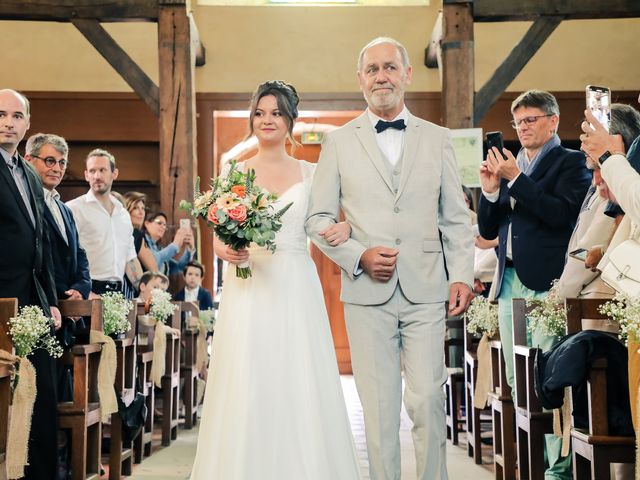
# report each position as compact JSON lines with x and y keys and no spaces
{"x":273,"y":407}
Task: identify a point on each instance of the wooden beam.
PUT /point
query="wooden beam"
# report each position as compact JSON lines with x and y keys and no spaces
{"x":120,"y":61}
{"x":178,"y":157}
{"x":513,"y":64}
{"x":457,"y":65}
{"x":500,"y":10}
{"x":102,"y":10}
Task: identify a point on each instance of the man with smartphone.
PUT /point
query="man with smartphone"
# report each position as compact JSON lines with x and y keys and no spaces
{"x":531,"y":202}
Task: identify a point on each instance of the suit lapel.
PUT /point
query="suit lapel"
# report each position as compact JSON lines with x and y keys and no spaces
{"x":409,"y":153}
{"x":364,"y":132}
{"x":544,"y":165}
{"x":36,"y":195}
{"x":6,"y":174}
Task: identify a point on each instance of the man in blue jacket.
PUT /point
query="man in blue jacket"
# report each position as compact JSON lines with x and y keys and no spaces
{"x":193,"y":290}
{"x":531,"y":203}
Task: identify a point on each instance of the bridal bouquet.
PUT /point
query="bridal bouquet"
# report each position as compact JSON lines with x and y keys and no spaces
{"x":115,"y":313}
{"x":160,"y":307}
{"x":626,"y":311}
{"x":482,"y":317}
{"x":31,"y":330}
{"x":239,"y":211}
{"x":548,"y":313}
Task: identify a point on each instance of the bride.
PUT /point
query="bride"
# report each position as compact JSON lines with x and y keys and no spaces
{"x":273,"y":407}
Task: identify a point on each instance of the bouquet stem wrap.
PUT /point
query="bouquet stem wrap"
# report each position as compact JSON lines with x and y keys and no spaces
{"x":243,"y":270}
{"x":106,"y":374}
{"x":24,"y":397}
{"x":483,"y":380}
{"x":159,"y":352}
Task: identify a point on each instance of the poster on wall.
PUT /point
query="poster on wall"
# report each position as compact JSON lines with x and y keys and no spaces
{"x":467,"y":144}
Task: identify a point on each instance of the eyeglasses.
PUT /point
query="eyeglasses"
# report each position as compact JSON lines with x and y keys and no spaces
{"x":51,"y":162}
{"x":528,"y":120}
{"x":160,"y":223}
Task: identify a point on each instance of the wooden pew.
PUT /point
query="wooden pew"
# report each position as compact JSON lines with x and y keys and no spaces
{"x":8,"y":309}
{"x":188,"y":368}
{"x":143,"y":442}
{"x":502,"y":413}
{"x":455,"y":379}
{"x":171,"y":382}
{"x":594,"y":449}
{"x":82,"y":415}
{"x":532,"y":423}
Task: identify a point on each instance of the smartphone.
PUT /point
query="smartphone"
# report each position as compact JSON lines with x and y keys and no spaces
{"x":579,"y":254}
{"x":599,"y":102}
{"x":185,"y":224}
{"x":494,"y":139}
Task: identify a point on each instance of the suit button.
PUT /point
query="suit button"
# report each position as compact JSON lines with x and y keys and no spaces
{"x":398,"y":241}
{"x":396,"y":209}
{"x":396,"y":172}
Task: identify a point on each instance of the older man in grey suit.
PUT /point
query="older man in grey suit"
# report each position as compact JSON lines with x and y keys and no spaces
{"x":411,"y":250}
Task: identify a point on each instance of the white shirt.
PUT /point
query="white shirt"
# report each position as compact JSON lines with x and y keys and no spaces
{"x":191,"y":295}
{"x":50,"y":197}
{"x":391,"y":140}
{"x":107,"y":239}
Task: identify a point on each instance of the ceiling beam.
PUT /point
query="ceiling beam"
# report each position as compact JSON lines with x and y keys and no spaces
{"x":102,"y":10}
{"x":128,"y":69}
{"x":501,"y":10}
{"x":513,"y":65}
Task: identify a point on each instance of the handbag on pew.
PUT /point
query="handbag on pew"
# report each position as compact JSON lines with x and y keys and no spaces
{"x":133,"y":415}
{"x":622,"y":273}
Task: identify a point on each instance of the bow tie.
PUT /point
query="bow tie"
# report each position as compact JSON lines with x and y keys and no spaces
{"x":381,"y":126}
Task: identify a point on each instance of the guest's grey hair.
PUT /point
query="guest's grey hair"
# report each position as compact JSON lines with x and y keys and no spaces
{"x":24,"y":99}
{"x":39,"y":140}
{"x":537,"y":99}
{"x":625,"y":121}
{"x":99,"y":152}
{"x":404,"y":56}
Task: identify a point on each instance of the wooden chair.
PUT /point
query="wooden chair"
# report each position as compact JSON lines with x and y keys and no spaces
{"x":8,"y":309}
{"x":188,"y":367}
{"x":502,"y":413}
{"x":171,"y":382}
{"x":82,"y":415}
{"x":594,"y":449}
{"x":473,"y":414}
{"x":121,"y":452}
{"x":532,"y":423}
{"x":455,"y":379}
{"x":143,"y":442}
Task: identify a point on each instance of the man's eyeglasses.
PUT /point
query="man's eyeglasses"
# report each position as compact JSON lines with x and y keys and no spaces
{"x":528,"y":121}
{"x":51,"y":162}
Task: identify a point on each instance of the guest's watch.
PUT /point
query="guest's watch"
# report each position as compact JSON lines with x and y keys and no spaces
{"x":604,"y":157}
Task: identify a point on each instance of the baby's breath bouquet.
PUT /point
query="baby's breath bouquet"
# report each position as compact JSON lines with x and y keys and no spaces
{"x":115,"y":315}
{"x":239,"y":211}
{"x":482,"y":317}
{"x":31,"y":330}
{"x":161,"y":307}
{"x":626,"y":311}
{"x":208,"y":319}
{"x":548,"y":313}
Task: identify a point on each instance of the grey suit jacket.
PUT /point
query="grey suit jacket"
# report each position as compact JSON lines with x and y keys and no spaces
{"x":426,"y":218}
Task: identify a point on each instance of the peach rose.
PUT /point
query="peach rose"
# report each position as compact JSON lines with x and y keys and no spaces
{"x":211,"y":215}
{"x":238,"y":213}
{"x":239,"y":190}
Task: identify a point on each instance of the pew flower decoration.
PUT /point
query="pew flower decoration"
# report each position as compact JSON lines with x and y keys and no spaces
{"x":482,"y":317}
{"x":624,"y":310}
{"x":208,"y":319}
{"x":548,"y":314}
{"x":31,"y":330}
{"x":160,"y":307}
{"x":239,"y":212}
{"x":115,"y":314}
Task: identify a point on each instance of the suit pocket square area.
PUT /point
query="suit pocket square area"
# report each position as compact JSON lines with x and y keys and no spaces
{"x":431,"y":245}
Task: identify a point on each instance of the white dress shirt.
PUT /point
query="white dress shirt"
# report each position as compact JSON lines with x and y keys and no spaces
{"x":391,"y":141}
{"x":107,"y":239}
{"x":191,"y":295}
{"x":50,"y":197}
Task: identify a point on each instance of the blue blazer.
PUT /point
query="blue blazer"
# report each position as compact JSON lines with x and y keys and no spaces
{"x":205,"y":301}
{"x":547,"y":206}
{"x":70,"y":264}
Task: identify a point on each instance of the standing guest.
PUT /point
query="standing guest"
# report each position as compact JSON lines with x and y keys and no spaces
{"x":193,"y":290}
{"x":531,"y":204}
{"x":48,"y":154}
{"x":135,"y":203}
{"x":381,"y":169}
{"x":155,"y":226}
{"x":105,"y":227}
{"x":26,"y":271}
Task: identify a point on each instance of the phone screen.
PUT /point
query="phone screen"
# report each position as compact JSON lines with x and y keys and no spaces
{"x":599,"y":102}
{"x":185,"y":224}
{"x":580,"y":254}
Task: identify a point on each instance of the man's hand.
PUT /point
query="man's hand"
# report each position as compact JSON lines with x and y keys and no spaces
{"x":596,"y":140}
{"x":73,"y":294}
{"x":379,"y":262}
{"x":460,"y":297}
{"x":503,"y":164}
{"x":57,"y":318}
{"x":478,"y":286}
{"x":489,"y":181}
{"x":94,"y":296}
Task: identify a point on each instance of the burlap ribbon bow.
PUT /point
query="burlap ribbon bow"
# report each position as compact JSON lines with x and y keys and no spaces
{"x":483,"y":381}
{"x":24,"y":397}
{"x":106,"y":374}
{"x":159,"y":352}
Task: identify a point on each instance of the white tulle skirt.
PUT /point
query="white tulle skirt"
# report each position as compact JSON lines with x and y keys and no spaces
{"x":273,"y":407}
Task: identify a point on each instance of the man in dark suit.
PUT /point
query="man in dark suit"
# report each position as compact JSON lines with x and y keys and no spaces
{"x":531,"y":204}
{"x":48,"y":155}
{"x":26,"y":270}
{"x":193,"y":274}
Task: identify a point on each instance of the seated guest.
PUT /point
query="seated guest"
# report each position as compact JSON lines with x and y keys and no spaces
{"x":48,"y":155}
{"x":193,"y":290}
{"x":149,"y":282}
{"x":155,"y":226}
